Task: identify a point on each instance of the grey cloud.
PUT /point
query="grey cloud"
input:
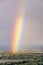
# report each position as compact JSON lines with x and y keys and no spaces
{"x":32,"y":34}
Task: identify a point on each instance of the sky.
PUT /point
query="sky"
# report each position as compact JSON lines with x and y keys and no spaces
{"x":32,"y":33}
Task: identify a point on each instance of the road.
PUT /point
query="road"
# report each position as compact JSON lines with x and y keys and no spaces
{"x":15,"y":61}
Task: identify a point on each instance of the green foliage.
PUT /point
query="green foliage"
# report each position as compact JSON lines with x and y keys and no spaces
{"x":32,"y":59}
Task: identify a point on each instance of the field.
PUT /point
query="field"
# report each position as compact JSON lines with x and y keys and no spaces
{"x":21,"y":59}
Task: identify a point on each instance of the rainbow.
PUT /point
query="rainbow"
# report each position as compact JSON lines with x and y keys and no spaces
{"x":17,"y":31}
